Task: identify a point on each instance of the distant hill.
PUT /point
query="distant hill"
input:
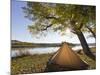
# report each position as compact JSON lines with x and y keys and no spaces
{"x":15,"y":41}
{"x":18,"y":44}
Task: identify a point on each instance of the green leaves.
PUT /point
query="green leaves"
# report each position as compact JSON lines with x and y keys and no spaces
{"x":60,"y":16}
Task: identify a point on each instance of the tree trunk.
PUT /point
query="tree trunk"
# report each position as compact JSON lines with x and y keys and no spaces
{"x":84,"y":44}
{"x":91,"y":32}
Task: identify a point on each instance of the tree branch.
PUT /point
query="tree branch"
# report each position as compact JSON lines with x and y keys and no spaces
{"x":48,"y":26}
{"x":48,"y":17}
{"x":91,"y":31}
{"x":81,"y":25}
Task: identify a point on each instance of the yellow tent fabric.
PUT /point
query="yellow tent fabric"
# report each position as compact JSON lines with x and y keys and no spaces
{"x":66,"y":57}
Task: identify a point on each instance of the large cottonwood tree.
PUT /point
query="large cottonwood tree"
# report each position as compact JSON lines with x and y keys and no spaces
{"x":59,"y":17}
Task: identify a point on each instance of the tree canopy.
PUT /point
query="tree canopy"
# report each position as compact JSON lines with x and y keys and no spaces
{"x":58,"y":17}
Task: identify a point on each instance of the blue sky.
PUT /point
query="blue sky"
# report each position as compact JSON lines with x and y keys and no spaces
{"x":20,"y":32}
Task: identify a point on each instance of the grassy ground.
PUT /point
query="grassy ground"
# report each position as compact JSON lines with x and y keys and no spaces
{"x":37,"y":63}
{"x":89,"y":61}
{"x":29,"y":64}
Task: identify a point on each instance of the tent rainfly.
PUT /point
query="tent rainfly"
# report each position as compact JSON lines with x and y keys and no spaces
{"x":65,"y":59}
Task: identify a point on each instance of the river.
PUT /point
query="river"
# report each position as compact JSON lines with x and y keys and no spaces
{"x":41,"y":50}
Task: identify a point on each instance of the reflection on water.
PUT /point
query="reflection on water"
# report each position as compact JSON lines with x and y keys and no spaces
{"x":42,"y":50}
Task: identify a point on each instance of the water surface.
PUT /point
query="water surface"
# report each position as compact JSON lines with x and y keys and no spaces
{"x":41,"y":50}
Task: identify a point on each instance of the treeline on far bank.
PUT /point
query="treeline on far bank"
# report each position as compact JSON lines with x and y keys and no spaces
{"x":19,"y":44}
